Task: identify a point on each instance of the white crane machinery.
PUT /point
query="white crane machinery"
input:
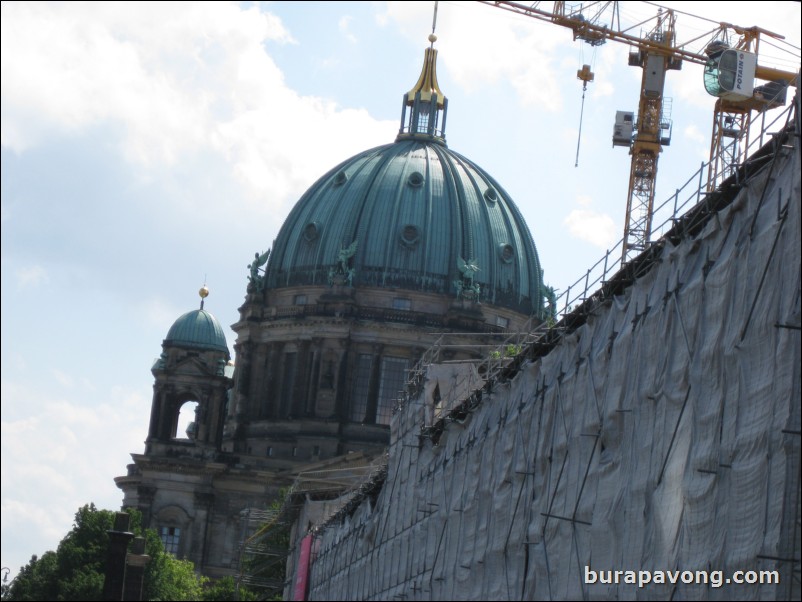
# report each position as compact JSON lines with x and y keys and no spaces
{"x":730,"y":72}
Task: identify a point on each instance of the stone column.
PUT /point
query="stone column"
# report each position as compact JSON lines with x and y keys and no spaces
{"x":204,"y":503}
{"x":119,"y":537}
{"x":135,"y":573}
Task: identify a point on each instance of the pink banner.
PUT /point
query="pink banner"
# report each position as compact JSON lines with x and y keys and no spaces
{"x":302,"y":574}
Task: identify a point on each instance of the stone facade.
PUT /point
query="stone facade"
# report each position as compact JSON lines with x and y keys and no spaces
{"x":392,"y":250}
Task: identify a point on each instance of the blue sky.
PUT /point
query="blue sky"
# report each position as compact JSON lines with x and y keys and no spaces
{"x":149,"y":146}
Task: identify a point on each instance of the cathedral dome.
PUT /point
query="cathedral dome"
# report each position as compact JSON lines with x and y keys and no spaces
{"x":412,"y":215}
{"x":197,"y":329}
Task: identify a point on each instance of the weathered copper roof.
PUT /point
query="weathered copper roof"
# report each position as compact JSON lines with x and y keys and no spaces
{"x":197,"y":329}
{"x":415,"y":209}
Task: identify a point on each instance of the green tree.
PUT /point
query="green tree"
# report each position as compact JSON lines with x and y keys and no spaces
{"x":226,"y":590}
{"x":75,"y":571}
{"x":34,"y":580}
{"x":167,"y":577}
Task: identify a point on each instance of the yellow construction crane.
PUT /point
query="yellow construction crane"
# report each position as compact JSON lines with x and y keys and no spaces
{"x":729,"y":73}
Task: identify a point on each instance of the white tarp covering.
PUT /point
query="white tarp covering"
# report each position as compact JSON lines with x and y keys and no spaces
{"x":446,"y":385}
{"x":661,"y":435}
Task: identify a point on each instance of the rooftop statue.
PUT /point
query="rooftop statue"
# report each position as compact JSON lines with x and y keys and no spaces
{"x":255,"y":278}
{"x":343,"y":269}
{"x":465,"y":286}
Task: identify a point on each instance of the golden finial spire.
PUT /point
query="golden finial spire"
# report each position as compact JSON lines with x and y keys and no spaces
{"x":427,"y":82}
{"x":427,"y":117}
{"x":203,"y":292}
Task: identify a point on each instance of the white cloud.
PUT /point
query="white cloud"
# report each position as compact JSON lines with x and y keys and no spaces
{"x":51,"y":446}
{"x":602,"y":89}
{"x":515,"y":50}
{"x":157,"y":312}
{"x":693,"y":133}
{"x":31,"y":276}
{"x":196,"y":79}
{"x":64,"y":380}
{"x":698,"y":140}
{"x":591,"y":226}
{"x":382,"y":19}
{"x":343,"y":25}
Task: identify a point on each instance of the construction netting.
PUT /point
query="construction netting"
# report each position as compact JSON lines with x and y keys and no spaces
{"x":661,"y":435}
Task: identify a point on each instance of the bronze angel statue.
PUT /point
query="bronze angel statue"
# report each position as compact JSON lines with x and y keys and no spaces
{"x":345,"y":257}
{"x":343,"y":268}
{"x":465,"y":286}
{"x":258,"y":261}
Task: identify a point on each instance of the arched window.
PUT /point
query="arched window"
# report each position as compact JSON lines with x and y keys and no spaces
{"x":173,"y":528}
{"x":171,"y":537}
{"x":187,"y":422}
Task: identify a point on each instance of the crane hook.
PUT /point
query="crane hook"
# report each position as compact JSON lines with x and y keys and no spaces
{"x":586,"y":75}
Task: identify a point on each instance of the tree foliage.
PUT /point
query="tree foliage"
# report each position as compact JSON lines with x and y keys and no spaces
{"x":225,"y":589}
{"x":76,"y":570}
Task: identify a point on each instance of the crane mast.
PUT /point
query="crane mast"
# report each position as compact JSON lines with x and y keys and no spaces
{"x":652,"y":133}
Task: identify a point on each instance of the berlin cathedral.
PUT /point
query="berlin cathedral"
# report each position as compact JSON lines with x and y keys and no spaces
{"x":386,"y":253}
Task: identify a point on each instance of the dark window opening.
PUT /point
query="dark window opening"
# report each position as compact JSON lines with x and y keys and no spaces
{"x":170,"y":537}
{"x":404,"y":304}
{"x":393,"y":381}
{"x":288,"y":383}
{"x":359,"y":395}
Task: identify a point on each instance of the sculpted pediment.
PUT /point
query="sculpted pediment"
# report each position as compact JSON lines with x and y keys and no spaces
{"x":193,"y":366}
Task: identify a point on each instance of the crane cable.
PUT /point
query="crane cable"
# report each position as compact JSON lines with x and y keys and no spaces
{"x":581,"y":115}
{"x":586,"y":75}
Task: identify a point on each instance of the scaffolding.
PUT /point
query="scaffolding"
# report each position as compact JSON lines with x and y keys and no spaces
{"x":267,"y":544}
{"x":569,"y":466}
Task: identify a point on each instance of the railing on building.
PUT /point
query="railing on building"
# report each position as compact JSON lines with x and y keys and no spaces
{"x":692,"y":194}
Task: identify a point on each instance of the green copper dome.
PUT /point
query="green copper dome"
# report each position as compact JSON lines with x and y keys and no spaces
{"x":411,"y":215}
{"x":197,"y":329}
{"x":415,"y":210}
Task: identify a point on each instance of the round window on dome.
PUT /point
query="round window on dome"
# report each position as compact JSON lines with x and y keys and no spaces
{"x":490,"y":195}
{"x":311,"y":231}
{"x":341,"y":178}
{"x":415,"y":179}
{"x":506,"y":252}
{"x":410,"y":235}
